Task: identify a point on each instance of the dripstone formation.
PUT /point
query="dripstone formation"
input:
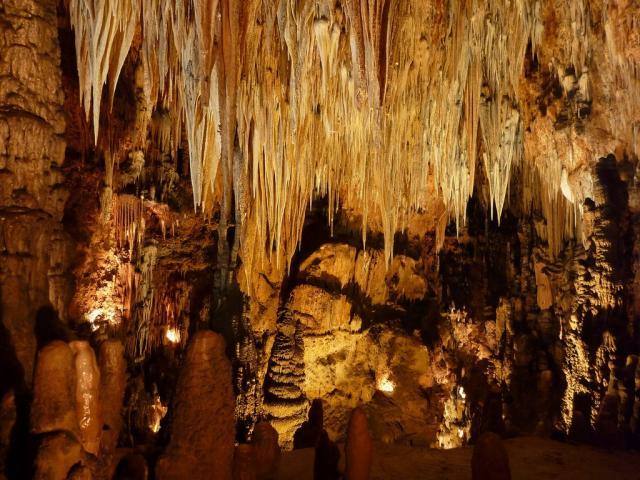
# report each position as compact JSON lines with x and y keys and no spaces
{"x":230,"y":229}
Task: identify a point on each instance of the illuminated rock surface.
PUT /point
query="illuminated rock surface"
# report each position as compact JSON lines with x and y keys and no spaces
{"x":426,"y":210}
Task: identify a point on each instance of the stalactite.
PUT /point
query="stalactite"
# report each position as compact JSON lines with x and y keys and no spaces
{"x":129,"y":222}
{"x":355,"y":102}
{"x":104,"y":31}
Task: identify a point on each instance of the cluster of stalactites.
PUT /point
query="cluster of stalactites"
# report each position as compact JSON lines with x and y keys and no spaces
{"x":129,"y":222}
{"x":374,"y":104}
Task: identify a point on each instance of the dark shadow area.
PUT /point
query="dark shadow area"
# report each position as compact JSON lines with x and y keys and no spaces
{"x":21,"y":450}
{"x":48,"y":327}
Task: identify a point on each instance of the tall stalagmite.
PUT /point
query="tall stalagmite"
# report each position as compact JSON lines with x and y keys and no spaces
{"x":202,"y":430}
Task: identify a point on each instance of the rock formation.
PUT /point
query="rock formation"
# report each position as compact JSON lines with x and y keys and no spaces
{"x":327,"y":457}
{"x":266,"y":450}
{"x":35,"y":248}
{"x":112,"y":389}
{"x":88,"y":407}
{"x":66,"y":413}
{"x":439,"y":226}
{"x":54,"y":405}
{"x":284,"y":399}
{"x":490,"y":459}
{"x":59,"y":455}
{"x":359,"y":447}
{"x":308,"y":434}
{"x":202,"y":430}
{"x":244,"y":462}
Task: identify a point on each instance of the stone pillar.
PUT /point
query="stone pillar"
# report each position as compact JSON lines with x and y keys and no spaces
{"x":33,"y":273}
{"x":88,"y":396}
{"x":267,"y":450}
{"x":359,"y":447}
{"x":54,"y":396}
{"x":202,"y":431}
{"x":113,"y":380}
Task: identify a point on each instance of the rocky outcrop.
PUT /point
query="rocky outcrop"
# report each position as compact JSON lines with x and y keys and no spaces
{"x":202,"y":430}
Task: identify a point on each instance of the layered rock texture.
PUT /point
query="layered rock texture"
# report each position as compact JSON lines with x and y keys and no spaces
{"x":34,"y":247}
{"x":236,"y":221}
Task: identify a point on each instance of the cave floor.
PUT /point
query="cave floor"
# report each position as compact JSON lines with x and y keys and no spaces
{"x":529,"y":457}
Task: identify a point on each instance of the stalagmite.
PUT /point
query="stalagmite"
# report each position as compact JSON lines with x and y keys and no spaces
{"x":359,"y":447}
{"x":89,"y":411}
{"x":490,"y":460}
{"x":244,"y":462}
{"x":266,"y":449}
{"x":112,"y":390}
{"x":308,"y":434}
{"x":202,"y":434}
{"x":327,"y":457}
{"x":54,"y":398}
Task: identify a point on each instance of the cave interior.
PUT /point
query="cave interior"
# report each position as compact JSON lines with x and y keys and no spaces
{"x":319,"y":239}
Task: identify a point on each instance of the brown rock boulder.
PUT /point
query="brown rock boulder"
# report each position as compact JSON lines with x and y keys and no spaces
{"x":359,"y":447}
{"x":54,"y":397}
{"x":267,"y":450}
{"x":202,"y":436}
{"x":490,"y":460}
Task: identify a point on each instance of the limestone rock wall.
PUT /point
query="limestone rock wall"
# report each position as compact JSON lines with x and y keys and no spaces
{"x":33,"y":246}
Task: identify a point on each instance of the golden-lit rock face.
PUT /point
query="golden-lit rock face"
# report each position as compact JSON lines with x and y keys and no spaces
{"x":383,"y":106}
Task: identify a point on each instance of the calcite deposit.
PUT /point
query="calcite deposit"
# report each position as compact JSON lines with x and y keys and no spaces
{"x":232,"y":228}
{"x":202,"y":436}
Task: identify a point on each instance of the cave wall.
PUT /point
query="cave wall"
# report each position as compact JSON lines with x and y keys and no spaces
{"x":35,"y":251}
